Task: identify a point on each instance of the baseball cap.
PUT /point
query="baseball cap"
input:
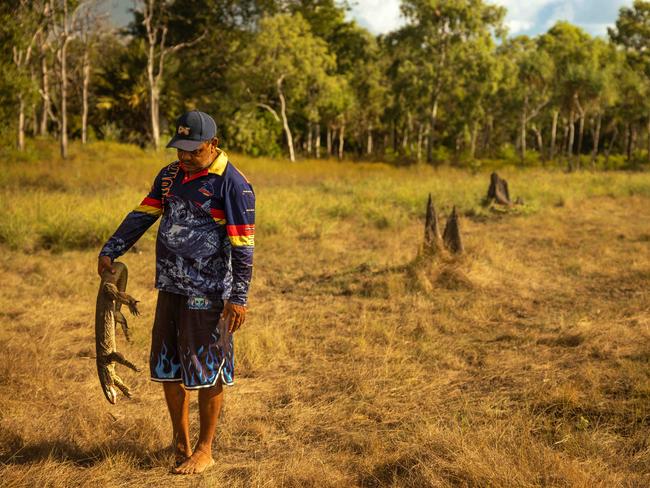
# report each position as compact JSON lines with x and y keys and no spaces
{"x":192,"y":129}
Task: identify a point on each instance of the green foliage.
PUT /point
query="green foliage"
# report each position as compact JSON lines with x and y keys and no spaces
{"x":255,"y":132}
{"x":441,"y":88}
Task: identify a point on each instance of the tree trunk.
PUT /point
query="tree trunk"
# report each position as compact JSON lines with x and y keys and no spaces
{"x":594,"y":153}
{"x":540,"y":142}
{"x":420,"y":138}
{"x":64,"y":94}
{"x":610,"y":146}
{"x":329,"y":140}
{"x":21,"y":123}
{"x":405,"y":139}
{"x":369,"y":141}
{"x":572,"y":134}
{"x":556,"y":115}
{"x":472,"y":147}
{"x":34,"y":121}
{"x":487,"y":140}
{"x":310,"y":130}
{"x":648,"y":133}
{"x":285,"y":122}
{"x":341,"y":139}
{"x":154,"y":107}
{"x":571,"y":141}
{"x":84,"y":96}
{"x":432,"y":121}
{"x":318,"y":140}
{"x":581,"y":132}
{"x":522,"y":134}
{"x":47,"y":109}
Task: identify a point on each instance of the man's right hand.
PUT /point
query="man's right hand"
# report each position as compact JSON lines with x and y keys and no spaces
{"x":104,"y":263}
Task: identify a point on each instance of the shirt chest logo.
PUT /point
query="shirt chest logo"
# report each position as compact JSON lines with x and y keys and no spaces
{"x":206,"y":189}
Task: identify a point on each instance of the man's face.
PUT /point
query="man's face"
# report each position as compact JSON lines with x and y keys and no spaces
{"x":200,"y":158}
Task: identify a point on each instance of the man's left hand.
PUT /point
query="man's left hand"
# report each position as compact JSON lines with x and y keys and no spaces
{"x":234,"y":315}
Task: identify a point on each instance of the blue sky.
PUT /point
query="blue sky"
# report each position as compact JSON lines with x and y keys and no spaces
{"x":524,"y":16}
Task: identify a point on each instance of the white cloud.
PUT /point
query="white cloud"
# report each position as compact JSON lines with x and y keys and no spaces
{"x":523,"y":17}
{"x":516,"y":26}
{"x":378,"y":16}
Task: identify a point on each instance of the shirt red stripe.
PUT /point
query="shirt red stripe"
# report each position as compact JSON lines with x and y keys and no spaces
{"x":152,"y":202}
{"x":241,"y":230}
{"x":187,"y":177}
{"x":217,"y":214}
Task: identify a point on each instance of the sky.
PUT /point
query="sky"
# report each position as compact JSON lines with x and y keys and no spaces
{"x":529,"y":17}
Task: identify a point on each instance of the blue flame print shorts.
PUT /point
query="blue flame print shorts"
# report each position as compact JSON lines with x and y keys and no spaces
{"x":189,"y":343}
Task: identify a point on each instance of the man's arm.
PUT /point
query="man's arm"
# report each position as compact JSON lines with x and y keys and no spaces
{"x":239,"y":203}
{"x":132,"y":227}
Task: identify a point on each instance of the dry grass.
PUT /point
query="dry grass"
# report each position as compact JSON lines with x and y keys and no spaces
{"x":524,"y":363}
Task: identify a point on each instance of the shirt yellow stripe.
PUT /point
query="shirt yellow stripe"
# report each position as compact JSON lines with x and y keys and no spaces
{"x":242,"y":240}
{"x":148,"y":210}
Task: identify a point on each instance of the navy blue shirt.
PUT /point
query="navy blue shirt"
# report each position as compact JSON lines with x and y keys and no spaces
{"x":207,"y":233}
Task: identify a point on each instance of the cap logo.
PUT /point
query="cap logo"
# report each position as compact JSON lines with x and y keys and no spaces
{"x":183,"y":131}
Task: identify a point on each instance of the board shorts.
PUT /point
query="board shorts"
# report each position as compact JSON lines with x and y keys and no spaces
{"x":189,"y":343}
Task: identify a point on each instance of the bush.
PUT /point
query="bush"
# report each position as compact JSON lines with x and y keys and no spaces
{"x":255,"y":133}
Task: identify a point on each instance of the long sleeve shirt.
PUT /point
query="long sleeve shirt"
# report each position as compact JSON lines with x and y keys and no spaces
{"x":206,"y":236}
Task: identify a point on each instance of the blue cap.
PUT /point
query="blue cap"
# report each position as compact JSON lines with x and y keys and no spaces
{"x":192,"y":129}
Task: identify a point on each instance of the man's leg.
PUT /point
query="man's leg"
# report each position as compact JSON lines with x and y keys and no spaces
{"x":210,"y":402}
{"x":178,"y":403}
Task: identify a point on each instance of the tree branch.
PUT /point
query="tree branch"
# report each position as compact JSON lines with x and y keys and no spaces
{"x":270,"y":109}
{"x":182,"y":45}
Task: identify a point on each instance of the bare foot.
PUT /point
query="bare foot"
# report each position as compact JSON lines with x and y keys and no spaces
{"x":196,"y":463}
{"x":180,"y":458}
{"x":181,"y":454}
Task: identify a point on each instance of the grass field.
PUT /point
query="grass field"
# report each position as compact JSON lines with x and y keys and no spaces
{"x":525,"y":362}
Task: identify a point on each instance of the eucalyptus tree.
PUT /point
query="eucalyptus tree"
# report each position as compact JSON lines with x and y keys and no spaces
{"x":532,"y":87}
{"x":439,"y":32}
{"x":360,"y":60}
{"x":632,"y":33}
{"x":278,"y":66}
{"x":155,"y":17}
{"x":571,"y":50}
{"x":23,"y":25}
{"x":482,"y":72}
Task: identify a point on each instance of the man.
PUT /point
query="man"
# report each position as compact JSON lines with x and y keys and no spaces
{"x":204,"y":263}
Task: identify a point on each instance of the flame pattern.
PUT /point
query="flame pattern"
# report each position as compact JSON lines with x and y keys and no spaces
{"x":167,"y":367}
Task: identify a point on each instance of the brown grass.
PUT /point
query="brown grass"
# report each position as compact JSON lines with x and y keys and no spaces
{"x":524,"y":363}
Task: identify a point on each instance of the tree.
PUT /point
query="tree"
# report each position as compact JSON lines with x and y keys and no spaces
{"x":632,"y":33}
{"x":156,"y":16}
{"x":64,"y":27}
{"x":279,"y":65}
{"x":532,"y":89}
{"x":437,"y":32}
{"x":572,"y":52}
{"x":27,"y":26}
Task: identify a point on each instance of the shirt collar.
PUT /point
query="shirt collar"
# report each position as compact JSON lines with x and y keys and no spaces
{"x":218,"y":166}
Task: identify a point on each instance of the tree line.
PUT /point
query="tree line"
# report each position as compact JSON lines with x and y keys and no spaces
{"x":296,"y":78}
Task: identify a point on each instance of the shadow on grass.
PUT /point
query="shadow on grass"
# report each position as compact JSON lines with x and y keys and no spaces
{"x":16,"y":452}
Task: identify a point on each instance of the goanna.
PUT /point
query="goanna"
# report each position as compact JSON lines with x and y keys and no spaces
{"x":110,"y":298}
